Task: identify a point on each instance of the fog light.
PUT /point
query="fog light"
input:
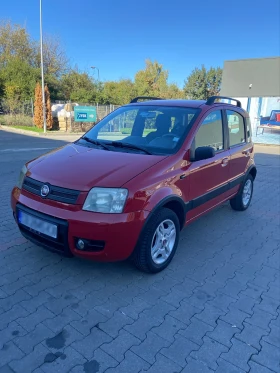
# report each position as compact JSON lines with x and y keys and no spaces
{"x":80,"y":244}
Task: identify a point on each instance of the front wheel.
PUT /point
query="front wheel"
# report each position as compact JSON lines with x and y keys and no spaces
{"x":243,"y":199}
{"x":158,"y":242}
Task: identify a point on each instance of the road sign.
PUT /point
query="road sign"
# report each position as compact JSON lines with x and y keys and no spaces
{"x":85,"y":114}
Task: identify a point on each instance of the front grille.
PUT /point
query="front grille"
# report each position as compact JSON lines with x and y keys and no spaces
{"x":56,"y":193}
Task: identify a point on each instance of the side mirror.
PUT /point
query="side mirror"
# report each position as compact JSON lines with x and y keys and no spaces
{"x":204,"y":152}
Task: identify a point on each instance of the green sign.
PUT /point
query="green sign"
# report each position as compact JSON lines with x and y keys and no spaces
{"x":85,"y":114}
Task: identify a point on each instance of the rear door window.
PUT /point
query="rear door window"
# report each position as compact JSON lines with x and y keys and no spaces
{"x":210,"y":132}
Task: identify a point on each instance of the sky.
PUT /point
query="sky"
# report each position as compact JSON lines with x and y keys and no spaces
{"x":118,"y":35}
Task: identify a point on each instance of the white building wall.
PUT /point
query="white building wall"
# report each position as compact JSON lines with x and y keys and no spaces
{"x":253,"y":112}
{"x":269,"y":104}
{"x":244,"y":101}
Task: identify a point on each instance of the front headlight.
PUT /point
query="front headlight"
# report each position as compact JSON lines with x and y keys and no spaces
{"x":21,"y":177}
{"x":106,"y":200}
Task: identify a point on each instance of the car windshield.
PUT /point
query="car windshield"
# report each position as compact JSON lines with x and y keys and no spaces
{"x":143,"y":129}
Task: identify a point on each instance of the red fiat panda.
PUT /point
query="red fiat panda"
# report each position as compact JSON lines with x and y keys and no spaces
{"x":131,"y":183}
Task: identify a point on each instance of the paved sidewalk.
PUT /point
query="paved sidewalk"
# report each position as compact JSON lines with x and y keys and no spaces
{"x":215,"y":309}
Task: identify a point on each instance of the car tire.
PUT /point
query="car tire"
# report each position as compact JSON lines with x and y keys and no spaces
{"x":156,"y":247}
{"x":243,"y":198}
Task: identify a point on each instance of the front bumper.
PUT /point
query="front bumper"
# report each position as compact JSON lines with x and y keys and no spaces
{"x":118,"y":232}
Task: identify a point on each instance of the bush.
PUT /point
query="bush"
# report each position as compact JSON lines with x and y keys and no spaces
{"x":126,"y":131}
{"x":16,"y":120}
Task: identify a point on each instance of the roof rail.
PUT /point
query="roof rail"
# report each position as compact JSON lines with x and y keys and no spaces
{"x":136,"y":99}
{"x":211,"y":100}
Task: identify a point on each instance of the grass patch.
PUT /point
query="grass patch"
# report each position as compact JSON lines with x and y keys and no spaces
{"x":27,"y":128}
{"x":127,"y":131}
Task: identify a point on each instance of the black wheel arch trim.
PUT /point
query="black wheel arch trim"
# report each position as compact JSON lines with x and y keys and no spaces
{"x":252,"y":167}
{"x":245,"y":176}
{"x":162,"y":203}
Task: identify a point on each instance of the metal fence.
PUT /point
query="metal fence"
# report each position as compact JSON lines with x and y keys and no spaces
{"x":15,"y":107}
{"x":63,"y":113}
{"x":27,"y":107}
{"x":22,"y":112}
{"x":101,"y":110}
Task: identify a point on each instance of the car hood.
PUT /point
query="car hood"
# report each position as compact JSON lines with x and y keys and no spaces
{"x":81,"y":168}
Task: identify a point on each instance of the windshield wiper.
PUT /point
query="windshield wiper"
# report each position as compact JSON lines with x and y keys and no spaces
{"x":95,"y":142}
{"x":129,"y":146}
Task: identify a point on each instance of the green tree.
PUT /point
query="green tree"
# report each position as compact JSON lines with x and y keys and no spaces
{"x":54,"y":85}
{"x":2,"y":86}
{"x":173,"y":91}
{"x":196,"y":84}
{"x":18,"y":82}
{"x":118,"y":92}
{"x":16,"y":47}
{"x":55,"y":60}
{"x":152,"y":81}
{"x":78,"y":87}
{"x":11,"y":102}
{"x":214,"y":81}
{"x":202,"y":84}
{"x":15,"y":42}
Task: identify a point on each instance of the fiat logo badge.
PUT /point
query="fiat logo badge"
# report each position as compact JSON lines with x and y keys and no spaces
{"x":45,"y":190}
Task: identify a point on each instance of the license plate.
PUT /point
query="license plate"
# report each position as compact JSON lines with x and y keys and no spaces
{"x":37,"y":225}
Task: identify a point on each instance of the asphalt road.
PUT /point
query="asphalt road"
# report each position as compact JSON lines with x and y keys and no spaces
{"x":215,"y":309}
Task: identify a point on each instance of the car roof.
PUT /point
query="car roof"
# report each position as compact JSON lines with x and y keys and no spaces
{"x":184,"y":103}
{"x":181,"y":103}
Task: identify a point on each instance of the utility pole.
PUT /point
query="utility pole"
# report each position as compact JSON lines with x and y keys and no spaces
{"x":42,"y":71}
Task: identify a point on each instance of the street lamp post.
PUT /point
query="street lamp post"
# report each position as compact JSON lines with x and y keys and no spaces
{"x":94,"y":67}
{"x":42,"y":71}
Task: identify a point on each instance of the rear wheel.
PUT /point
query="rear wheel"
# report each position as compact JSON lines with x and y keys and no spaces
{"x":243,"y":199}
{"x":158,"y":242}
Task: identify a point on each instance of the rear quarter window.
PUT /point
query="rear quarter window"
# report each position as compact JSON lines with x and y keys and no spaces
{"x":249,"y":129}
{"x":236,"y":128}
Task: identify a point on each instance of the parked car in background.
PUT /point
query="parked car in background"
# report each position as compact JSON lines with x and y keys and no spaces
{"x":272,"y":120}
{"x":111,"y":197}
{"x":271,"y":123}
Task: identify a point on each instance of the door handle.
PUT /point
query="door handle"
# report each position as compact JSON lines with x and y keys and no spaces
{"x":224,"y":162}
{"x":246,"y":153}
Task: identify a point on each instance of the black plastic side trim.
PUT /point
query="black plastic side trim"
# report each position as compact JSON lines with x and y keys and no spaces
{"x":208,"y":196}
{"x":236,"y":181}
{"x":213,"y":194}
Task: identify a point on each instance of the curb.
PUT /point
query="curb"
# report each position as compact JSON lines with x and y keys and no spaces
{"x":16,"y":130}
{"x":263,"y":144}
{"x":39,"y":134}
